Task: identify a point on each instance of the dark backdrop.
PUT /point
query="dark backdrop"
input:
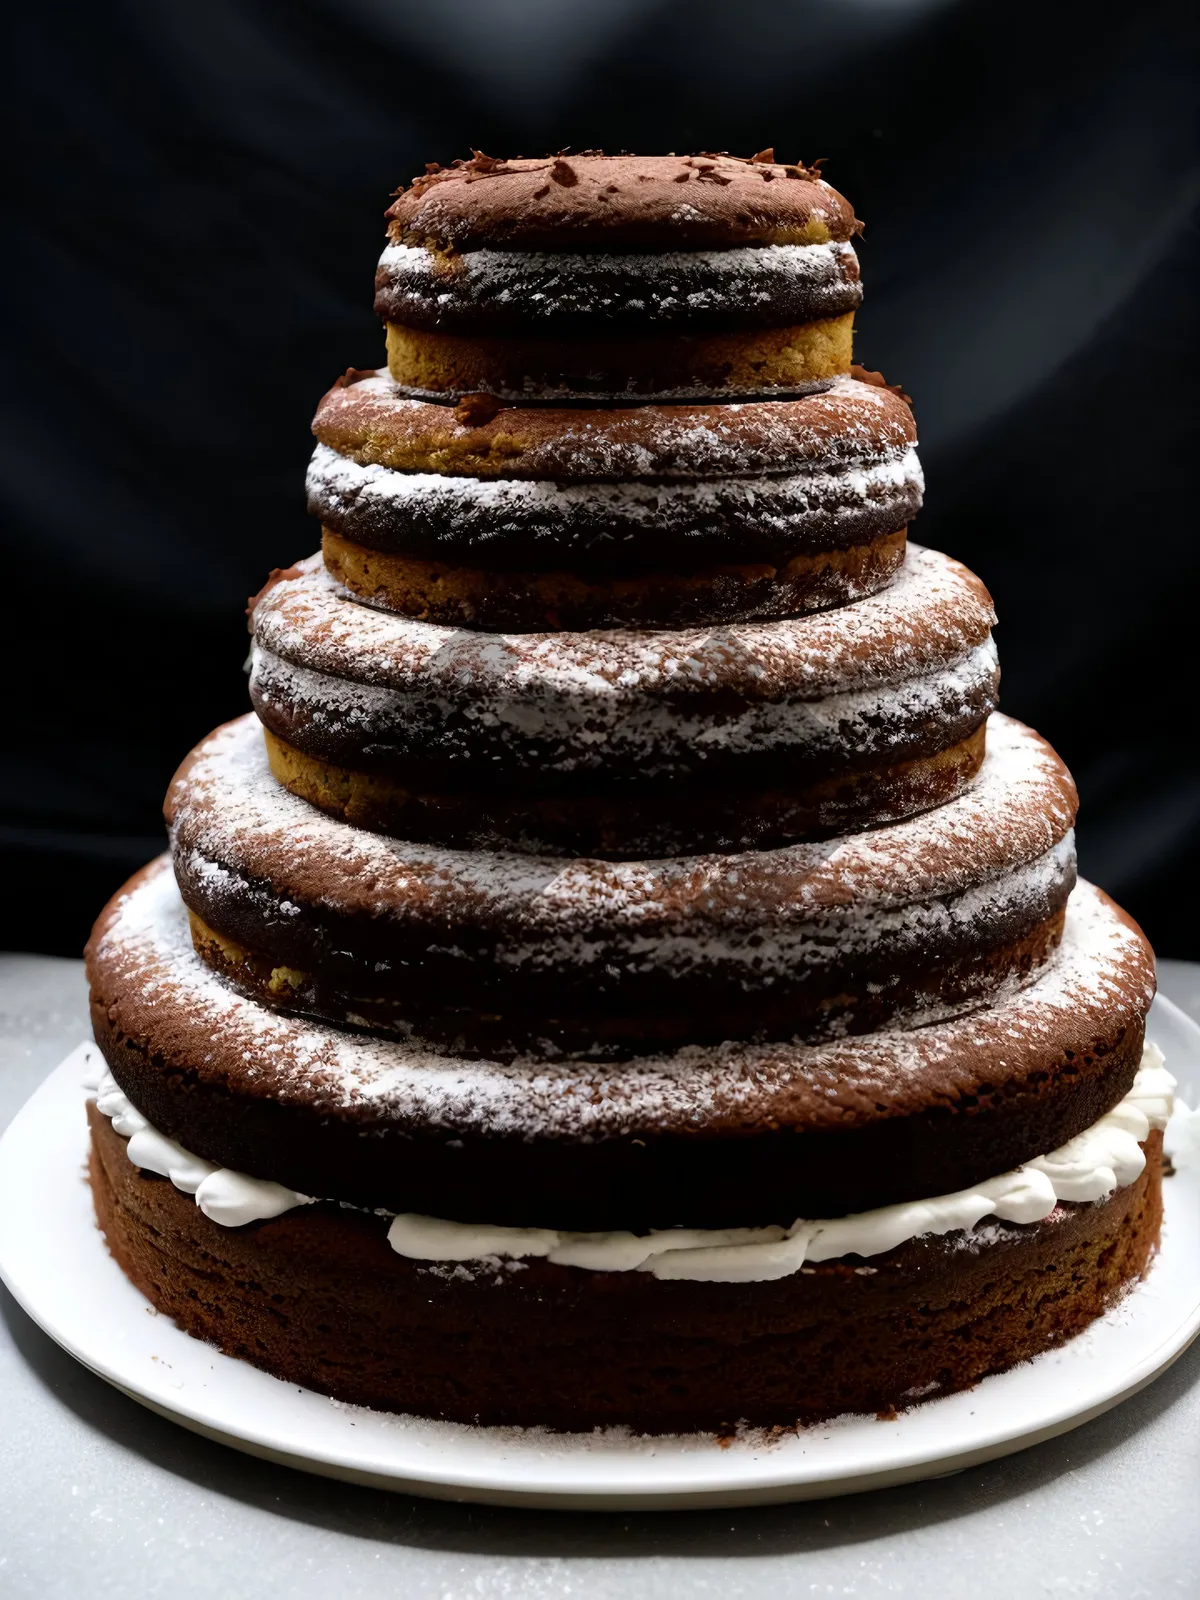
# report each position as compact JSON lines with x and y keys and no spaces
{"x":195,"y":214}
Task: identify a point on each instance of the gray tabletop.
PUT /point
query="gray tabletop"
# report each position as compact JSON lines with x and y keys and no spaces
{"x":100,"y":1497}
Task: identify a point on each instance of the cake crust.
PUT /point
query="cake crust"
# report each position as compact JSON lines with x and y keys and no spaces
{"x":596,"y":202}
{"x":792,"y":359}
{"x":702,"y":1137}
{"x":604,"y":958}
{"x":317,"y":1297}
{"x":591,"y":742}
{"x":850,"y":423}
{"x":534,"y":602}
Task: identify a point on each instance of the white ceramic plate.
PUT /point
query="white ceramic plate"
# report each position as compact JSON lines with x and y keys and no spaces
{"x":53,"y":1259}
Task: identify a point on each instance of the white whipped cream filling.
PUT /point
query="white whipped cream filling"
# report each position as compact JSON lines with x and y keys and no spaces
{"x":1102,"y":1158}
{"x":230,"y":1198}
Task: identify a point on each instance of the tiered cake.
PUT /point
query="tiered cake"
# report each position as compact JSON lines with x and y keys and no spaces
{"x":626,"y":971}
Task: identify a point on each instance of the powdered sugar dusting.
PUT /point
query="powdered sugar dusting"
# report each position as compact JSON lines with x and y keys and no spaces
{"x":338,"y":486}
{"x":1102,"y":977}
{"x":670,"y":285}
{"x":1003,"y":844}
{"x":847,"y":422}
{"x":917,"y":651}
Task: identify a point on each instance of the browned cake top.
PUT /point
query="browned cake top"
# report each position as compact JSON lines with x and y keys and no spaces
{"x":855,"y":422}
{"x":244,"y":833}
{"x":364,"y":683}
{"x":594,"y":202}
{"x":703,"y":1136}
{"x":156,"y":991}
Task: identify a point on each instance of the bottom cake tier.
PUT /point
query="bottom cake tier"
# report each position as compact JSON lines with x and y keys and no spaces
{"x":318,"y":1296}
{"x":768,"y":1234}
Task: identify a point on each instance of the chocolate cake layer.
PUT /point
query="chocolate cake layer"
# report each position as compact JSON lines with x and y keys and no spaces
{"x":857,"y":422}
{"x":569,"y":295}
{"x":710,"y":1136}
{"x":598,"y":203}
{"x":502,"y":601}
{"x":591,"y":743}
{"x":617,"y":822}
{"x":506,"y":954}
{"x":574,"y":277}
{"x":688,"y":527}
{"x":317,"y":1297}
{"x":691,"y":535}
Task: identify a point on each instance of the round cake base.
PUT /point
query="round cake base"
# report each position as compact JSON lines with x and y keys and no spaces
{"x":317,"y":1296}
{"x":54,"y":1261}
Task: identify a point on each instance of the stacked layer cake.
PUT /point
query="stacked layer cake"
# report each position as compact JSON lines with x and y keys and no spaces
{"x":626,"y":971}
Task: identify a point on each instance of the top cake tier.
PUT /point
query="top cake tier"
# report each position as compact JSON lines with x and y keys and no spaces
{"x":618,"y":277}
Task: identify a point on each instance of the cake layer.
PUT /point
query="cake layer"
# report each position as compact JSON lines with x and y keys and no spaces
{"x":693,"y":533}
{"x":318,"y":1297}
{"x":568,"y":294}
{"x":792,"y":360}
{"x":704,"y":1137}
{"x":618,"y":276}
{"x":856,"y":423}
{"x":1106,"y":1156}
{"x":592,"y":743}
{"x":505,"y":954}
{"x":597,"y":203}
{"x":501,"y":601}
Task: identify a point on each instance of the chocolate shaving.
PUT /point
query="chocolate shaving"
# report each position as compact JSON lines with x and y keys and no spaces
{"x":767,"y":155}
{"x":878,"y":381}
{"x":474,"y":410}
{"x":277,"y":575}
{"x":797,"y":169}
{"x":562,"y":172}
